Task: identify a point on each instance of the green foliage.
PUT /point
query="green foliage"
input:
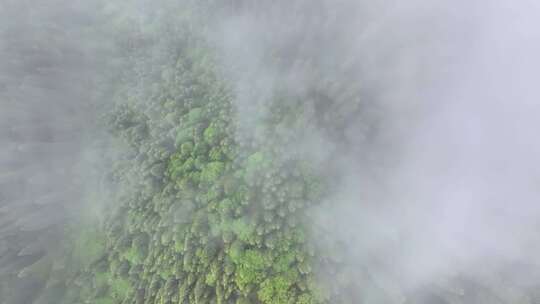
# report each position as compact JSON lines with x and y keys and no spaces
{"x":243,"y":229}
{"x":212,"y":171}
{"x":201,"y":217}
{"x":276,"y":290}
{"x":89,"y":246}
{"x":206,"y":207}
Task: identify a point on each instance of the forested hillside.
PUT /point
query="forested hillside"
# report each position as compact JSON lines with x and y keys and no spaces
{"x":193,"y":151}
{"x":46,"y":100}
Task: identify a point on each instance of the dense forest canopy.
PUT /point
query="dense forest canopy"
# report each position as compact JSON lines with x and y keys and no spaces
{"x":273,"y":152}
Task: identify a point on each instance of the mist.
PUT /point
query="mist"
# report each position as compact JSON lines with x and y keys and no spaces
{"x":460,"y":196}
{"x":421,"y":115}
{"x":438,"y":171}
{"x":48,"y":114}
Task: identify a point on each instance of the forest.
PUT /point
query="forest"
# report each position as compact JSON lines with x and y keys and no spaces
{"x":182,"y":151}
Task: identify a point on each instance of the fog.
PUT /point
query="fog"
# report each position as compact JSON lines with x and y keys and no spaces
{"x":435,"y":172}
{"x":438,"y":175}
{"x":461,"y":193}
{"x":48,"y":69}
